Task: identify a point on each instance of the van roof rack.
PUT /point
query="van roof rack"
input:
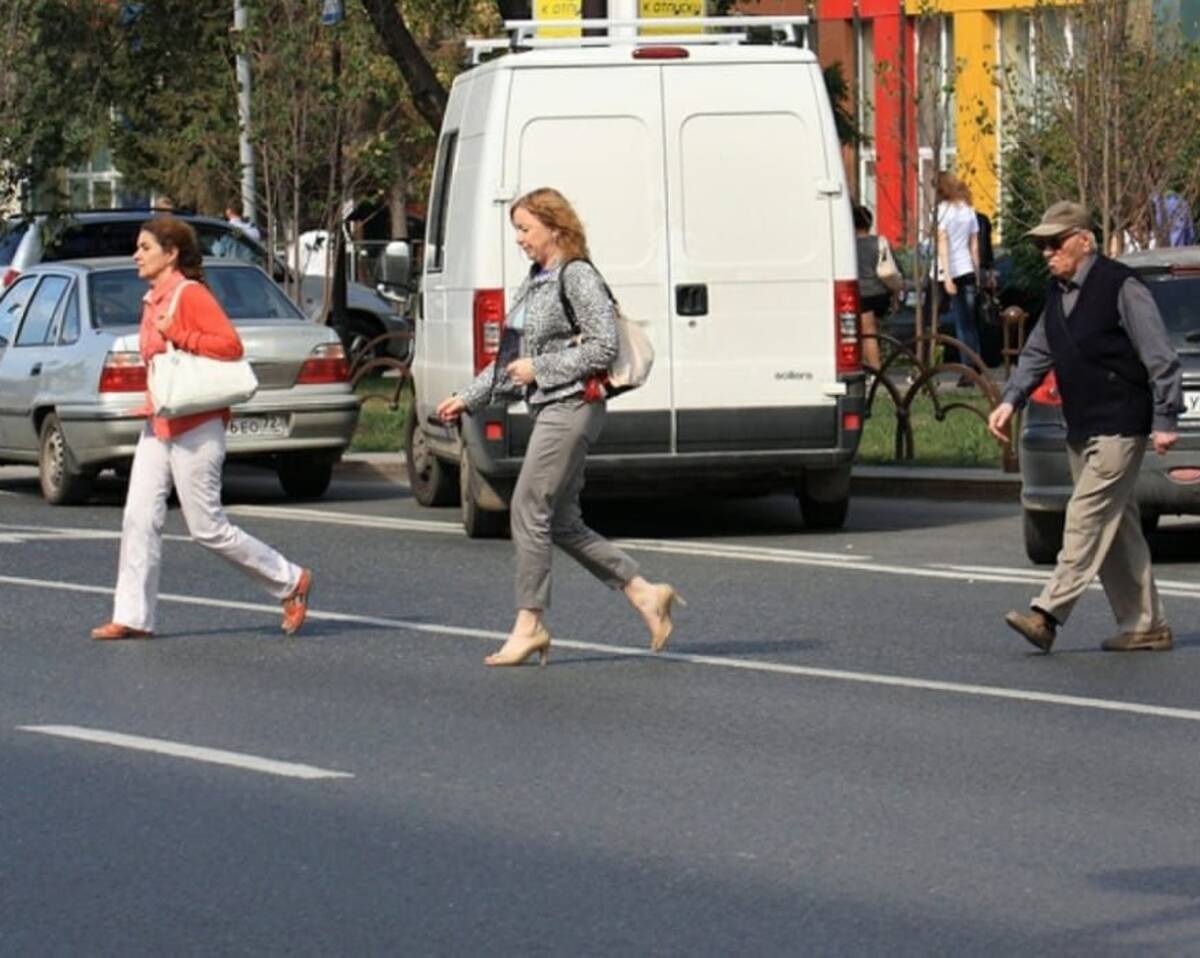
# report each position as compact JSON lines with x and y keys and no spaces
{"x":523,"y":34}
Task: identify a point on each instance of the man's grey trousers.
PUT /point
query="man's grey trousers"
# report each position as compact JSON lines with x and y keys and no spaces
{"x":545,"y":503}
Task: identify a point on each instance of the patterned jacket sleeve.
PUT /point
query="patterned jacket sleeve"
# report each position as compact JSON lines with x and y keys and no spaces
{"x":596,"y":320}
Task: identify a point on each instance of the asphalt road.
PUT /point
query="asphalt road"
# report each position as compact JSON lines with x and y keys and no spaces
{"x":843,"y":752}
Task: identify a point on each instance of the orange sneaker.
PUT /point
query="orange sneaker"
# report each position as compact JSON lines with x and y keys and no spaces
{"x":295,"y":606}
{"x":114,"y":630}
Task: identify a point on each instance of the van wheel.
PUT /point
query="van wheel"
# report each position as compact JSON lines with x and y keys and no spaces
{"x":478,"y":522}
{"x":304,"y":477}
{"x":824,"y":496}
{"x":433,"y":482}
{"x":1043,"y":536}
{"x":818,"y":514}
{"x":63,"y":483}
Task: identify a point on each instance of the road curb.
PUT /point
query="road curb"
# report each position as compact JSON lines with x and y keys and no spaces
{"x":898,"y":482}
{"x":913,"y":482}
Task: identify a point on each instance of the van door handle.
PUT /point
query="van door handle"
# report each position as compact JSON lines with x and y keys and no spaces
{"x":691,"y":299}
{"x":35,"y":369}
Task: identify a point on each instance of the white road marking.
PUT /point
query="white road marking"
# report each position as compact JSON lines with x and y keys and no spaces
{"x":331,"y":517}
{"x":16,"y":534}
{"x":196,"y":753}
{"x":719,"y":550}
{"x":713,"y":661}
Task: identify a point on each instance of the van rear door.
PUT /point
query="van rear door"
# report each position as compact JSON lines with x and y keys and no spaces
{"x":595,"y":134}
{"x":751,"y":230}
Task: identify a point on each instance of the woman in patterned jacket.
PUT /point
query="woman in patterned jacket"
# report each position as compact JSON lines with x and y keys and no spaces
{"x":557,"y":359}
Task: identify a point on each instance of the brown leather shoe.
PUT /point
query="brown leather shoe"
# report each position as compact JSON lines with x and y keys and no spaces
{"x":1153,"y":640}
{"x":114,"y":630}
{"x":295,"y":606}
{"x":1035,"y":626}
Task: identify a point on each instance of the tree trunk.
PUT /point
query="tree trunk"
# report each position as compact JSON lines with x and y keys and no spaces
{"x":429,"y":96}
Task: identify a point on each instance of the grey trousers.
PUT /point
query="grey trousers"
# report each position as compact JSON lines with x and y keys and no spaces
{"x":545,"y":503}
{"x":1103,"y":535}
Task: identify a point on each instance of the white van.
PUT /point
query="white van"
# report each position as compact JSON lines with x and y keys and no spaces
{"x":709,"y":179}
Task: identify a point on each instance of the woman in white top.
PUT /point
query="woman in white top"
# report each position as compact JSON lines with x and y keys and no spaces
{"x":958,"y":257}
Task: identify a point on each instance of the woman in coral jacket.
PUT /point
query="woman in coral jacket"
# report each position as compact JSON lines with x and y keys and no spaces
{"x":185,"y":452}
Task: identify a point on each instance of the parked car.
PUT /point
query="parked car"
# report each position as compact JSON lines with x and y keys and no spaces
{"x":71,"y":376}
{"x":1167,"y":485}
{"x":25,"y":241}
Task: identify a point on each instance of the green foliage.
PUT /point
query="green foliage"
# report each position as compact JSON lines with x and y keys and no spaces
{"x":54,"y":97}
{"x":838,"y":88}
{"x":1111,"y":121}
{"x":173,"y":92}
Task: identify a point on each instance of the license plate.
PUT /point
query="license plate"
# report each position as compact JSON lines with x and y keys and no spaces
{"x":257,"y":427}
{"x":1191,"y":405}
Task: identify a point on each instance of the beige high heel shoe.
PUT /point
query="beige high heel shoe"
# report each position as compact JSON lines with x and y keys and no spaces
{"x":516,"y":651}
{"x":667,"y":597}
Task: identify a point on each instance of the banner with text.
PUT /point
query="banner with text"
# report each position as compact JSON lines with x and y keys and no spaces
{"x":683,"y":9}
{"x":551,"y":10}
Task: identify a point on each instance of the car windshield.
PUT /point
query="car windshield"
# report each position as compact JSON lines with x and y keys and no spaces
{"x":1178,"y":299}
{"x":245,"y":294}
{"x":10,"y":238}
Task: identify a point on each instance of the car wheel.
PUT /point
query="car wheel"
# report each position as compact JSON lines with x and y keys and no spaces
{"x":433,"y":482}
{"x":1043,"y":536}
{"x":824,"y":496}
{"x":357,"y":332}
{"x":478,"y":522}
{"x":304,"y":477}
{"x":63,"y":483}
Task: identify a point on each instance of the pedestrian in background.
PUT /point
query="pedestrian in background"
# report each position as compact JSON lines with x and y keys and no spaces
{"x":245,"y":226}
{"x":1120,"y":382}
{"x":557,"y":356}
{"x":958,"y":259}
{"x":874,"y":295}
{"x":186,"y":452}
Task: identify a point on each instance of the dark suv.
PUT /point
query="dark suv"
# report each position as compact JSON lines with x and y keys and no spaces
{"x":1167,"y":484}
{"x":26,"y":241}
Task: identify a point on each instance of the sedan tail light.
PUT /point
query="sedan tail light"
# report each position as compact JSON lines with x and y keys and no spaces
{"x":326,"y":364}
{"x":1047,"y":393}
{"x":9,"y":275}
{"x":123,"y":373}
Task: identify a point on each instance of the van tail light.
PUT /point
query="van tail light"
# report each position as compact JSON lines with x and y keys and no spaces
{"x":123,"y":373}
{"x":488,"y":314}
{"x":325,"y":364}
{"x":849,"y":342}
{"x":10,"y":274}
{"x":1047,"y":392}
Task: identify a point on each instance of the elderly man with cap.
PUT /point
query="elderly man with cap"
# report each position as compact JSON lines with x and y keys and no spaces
{"x":1120,"y":383}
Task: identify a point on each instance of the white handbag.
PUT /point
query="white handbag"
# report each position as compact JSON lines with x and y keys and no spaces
{"x":183,"y":383}
{"x":635,"y":356}
{"x":635,"y":353}
{"x":886,"y":268}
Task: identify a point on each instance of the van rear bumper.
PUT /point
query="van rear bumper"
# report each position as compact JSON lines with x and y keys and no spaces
{"x":747,"y":459}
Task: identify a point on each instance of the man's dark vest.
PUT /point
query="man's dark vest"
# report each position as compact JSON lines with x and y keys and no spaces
{"x":1104,"y":386}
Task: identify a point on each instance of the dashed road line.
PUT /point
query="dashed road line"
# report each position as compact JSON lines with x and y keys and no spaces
{"x":196,"y":753}
{"x":712,"y":661}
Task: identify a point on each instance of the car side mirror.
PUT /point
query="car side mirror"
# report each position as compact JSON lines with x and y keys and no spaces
{"x":395,"y":267}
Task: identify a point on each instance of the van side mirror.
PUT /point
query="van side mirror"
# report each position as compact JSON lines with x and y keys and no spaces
{"x":395,"y":267}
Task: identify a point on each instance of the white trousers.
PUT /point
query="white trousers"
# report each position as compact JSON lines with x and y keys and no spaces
{"x":192,"y":464}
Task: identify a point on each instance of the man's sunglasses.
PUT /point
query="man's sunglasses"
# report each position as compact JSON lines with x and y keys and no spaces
{"x":1053,"y":243}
